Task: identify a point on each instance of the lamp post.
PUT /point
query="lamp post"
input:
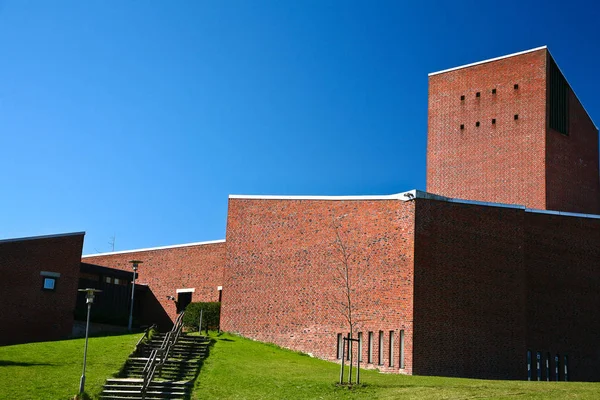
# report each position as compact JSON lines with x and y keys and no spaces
{"x":89,"y":299}
{"x":135,"y":264}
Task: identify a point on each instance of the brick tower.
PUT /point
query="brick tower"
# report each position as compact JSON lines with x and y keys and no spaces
{"x":511,"y":130}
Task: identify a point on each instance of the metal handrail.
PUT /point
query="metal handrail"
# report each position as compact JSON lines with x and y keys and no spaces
{"x":145,"y":336}
{"x":159,"y":356}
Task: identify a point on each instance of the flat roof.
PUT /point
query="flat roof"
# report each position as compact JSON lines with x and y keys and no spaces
{"x":410,"y":195}
{"x":42,"y":237}
{"x":487,"y":61}
{"x":154,"y":248}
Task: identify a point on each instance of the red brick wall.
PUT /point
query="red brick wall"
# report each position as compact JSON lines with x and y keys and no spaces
{"x":497,"y":163}
{"x":469,"y":317}
{"x":28,"y":313}
{"x":573,"y":182}
{"x":281,"y":258}
{"x":563,"y":259}
{"x":168,"y":269}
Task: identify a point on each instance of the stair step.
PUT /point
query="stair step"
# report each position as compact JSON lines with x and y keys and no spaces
{"x":176,"y":377}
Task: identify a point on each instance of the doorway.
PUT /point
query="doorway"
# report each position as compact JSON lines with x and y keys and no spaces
{"x":183,"y":299}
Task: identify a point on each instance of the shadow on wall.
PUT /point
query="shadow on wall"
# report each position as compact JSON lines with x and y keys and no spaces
{"x":152,"y":312}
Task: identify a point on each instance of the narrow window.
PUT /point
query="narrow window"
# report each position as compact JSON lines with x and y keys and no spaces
{"x":493,"y":121}
{"x":370,"y":348}
{"x":462,"y":98}
{"x":402,"y":348}
{"x":494,"y":91}
{"x":516,"y":86}
{"x":391,"y":349}
{"x":477,"y":123}
{"x":538,"y":366}
{"x":528,"y":365}
{"x":556,"y":370}
{"x":516,"y":117}
{"x":548,"y":371}
{"x":462,"y":126}
{"x":348,"y":347}
{"x":565,"y":367}
{"x":339,"y":346}
{"x":559,"y":100}
{"x":360,"y":347}
{"x":380,"y":360}
{"x":478,"y":94}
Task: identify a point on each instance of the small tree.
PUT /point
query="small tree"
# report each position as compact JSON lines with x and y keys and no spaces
{"x":346,"y":277}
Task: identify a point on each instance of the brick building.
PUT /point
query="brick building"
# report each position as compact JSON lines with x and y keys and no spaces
{"x":494,"y":267}
{"x":185,"y":272}
{"x":39,"y":287}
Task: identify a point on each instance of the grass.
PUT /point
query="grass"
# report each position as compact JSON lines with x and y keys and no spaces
{"x":238,"y":368}
{"x":51,"y":370}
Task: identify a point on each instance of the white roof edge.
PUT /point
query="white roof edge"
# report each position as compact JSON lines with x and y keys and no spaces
{"x":487,"y":61}
{"x":416,"y":194}
{"x":154,"y":248}
{"x":396,"y":196}
{"x":42,"y":237}
{"x":563,"y":213}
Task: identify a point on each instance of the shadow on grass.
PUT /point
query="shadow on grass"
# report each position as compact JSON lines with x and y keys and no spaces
{"x":4,"y":363}
{"x":211,"y":344}
{"x":227,"y":340}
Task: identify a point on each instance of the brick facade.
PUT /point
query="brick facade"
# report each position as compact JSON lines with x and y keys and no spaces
{"x":28,"y":313}
{"x":164,"y":270}
{"x":562,"y":260}
{"x":572,"y":164}
{"x":280,"y":281}
{"x":469,"y":302}
{"x":503,"y":159}
{"x":472,"y":286}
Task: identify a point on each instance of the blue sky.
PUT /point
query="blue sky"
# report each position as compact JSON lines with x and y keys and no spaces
{"x":138,"y":118}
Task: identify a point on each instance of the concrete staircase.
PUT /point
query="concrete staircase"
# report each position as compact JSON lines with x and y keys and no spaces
{"x":175,"y":380}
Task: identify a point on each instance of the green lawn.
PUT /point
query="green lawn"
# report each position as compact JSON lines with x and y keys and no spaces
{"x":51,"y":370}
{"x":238,"y":368}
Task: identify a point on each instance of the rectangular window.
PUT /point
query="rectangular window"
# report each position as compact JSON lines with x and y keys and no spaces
{"x":391,"y":348}
{"x":565,"y":365}
{"x":108,"y":279}
{"x":49,"y":280}
{"x":49,"y":283}
{"x":528,"y":365}
{"x":117,"y":281}
{"x":380,"y":360}
{"x":402,"y":348}
{"x":538,"y":365}
{"x":339,"y":346}
{"x":360,"y":346}
{"x":370,"y":349}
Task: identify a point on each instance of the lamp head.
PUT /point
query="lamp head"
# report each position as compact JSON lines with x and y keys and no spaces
{"x":135,"y":264}
{"x":90,"y":293}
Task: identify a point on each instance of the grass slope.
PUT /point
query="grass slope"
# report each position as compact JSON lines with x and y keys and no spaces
{"x":51,"y":370}
{"x":238,"y":368}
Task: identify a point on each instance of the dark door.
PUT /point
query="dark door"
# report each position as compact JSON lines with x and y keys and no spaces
{"x":183,"y":299}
